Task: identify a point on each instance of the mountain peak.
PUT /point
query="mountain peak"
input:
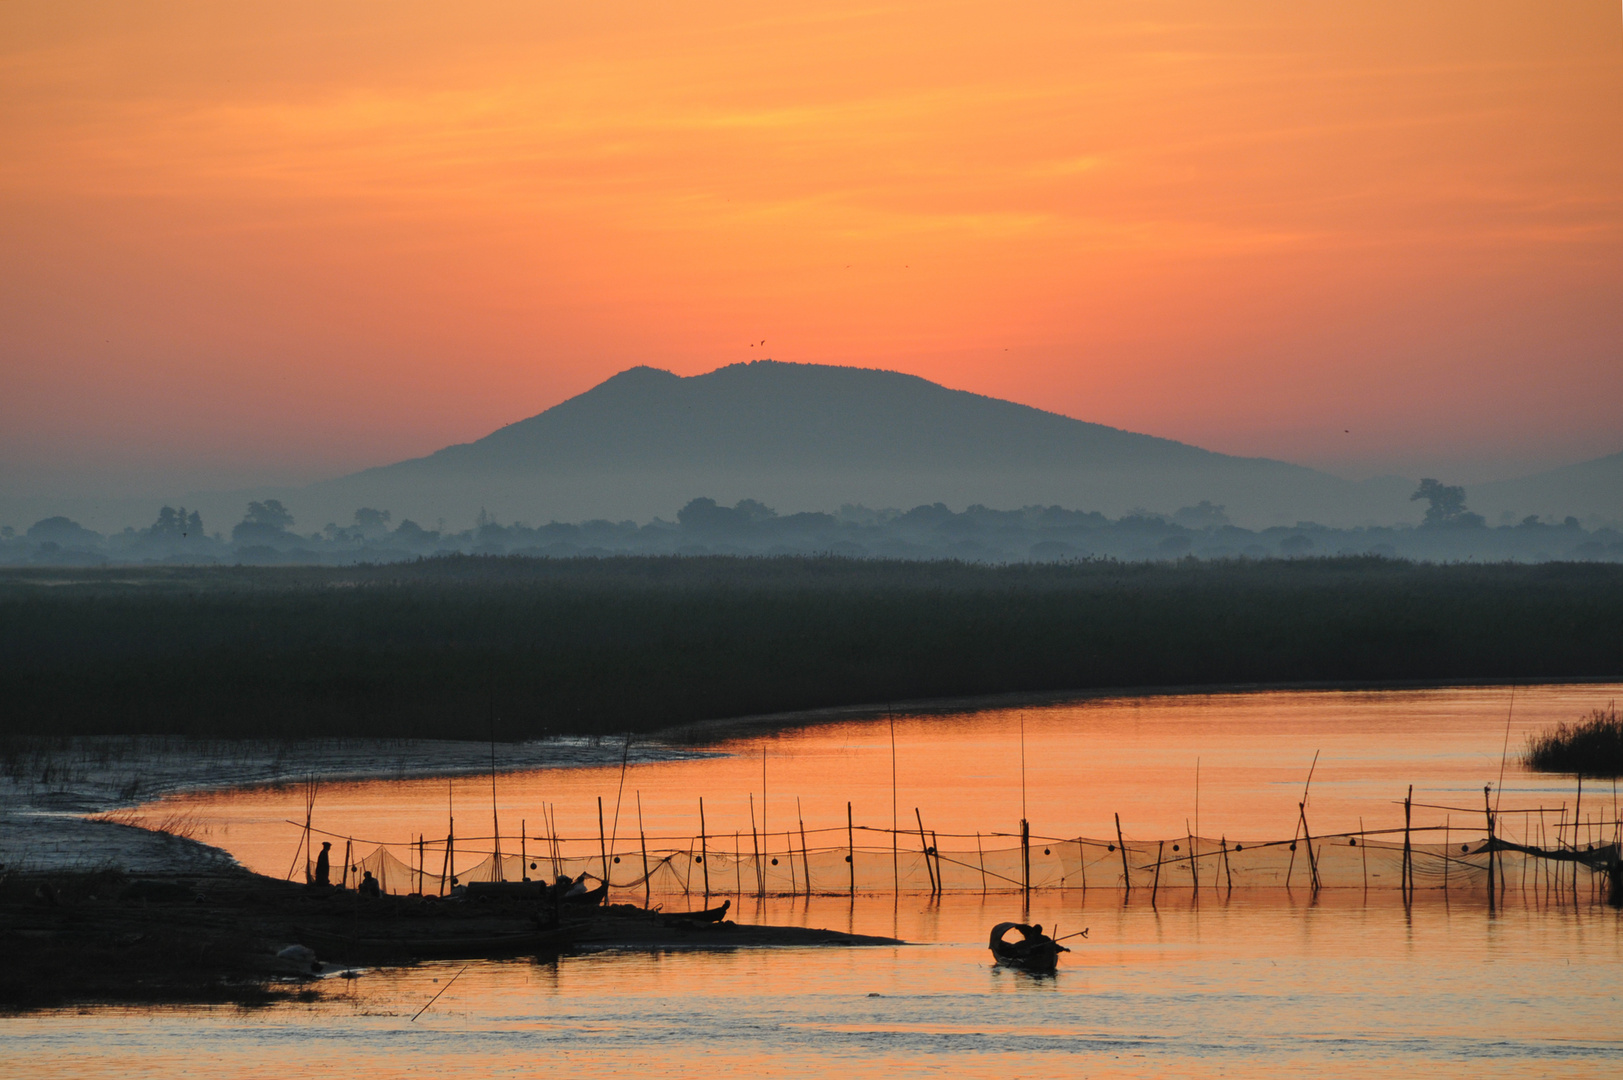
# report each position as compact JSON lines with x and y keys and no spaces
{"x":817,"y":435}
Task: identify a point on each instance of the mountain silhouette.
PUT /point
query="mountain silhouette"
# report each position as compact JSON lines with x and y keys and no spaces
{"x":810,"y":436}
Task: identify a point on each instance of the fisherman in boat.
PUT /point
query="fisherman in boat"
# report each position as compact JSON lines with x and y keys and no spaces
{"x":1035,"y":951}
{"x":324,"y":865}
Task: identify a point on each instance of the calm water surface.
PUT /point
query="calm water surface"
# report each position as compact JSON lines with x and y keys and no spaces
{"x":1258,"y":983}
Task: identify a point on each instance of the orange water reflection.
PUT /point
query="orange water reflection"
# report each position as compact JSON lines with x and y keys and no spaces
{"x":1262,"y":985}
{"x":1084,"y":763}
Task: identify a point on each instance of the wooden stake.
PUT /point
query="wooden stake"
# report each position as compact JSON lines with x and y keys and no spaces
{"x":924,"y":846}
{"x":789,"y":857}
{"x":642,"y":838}
{"x":981,"y":855}
{"x":1577,"y":806}
{"x":1227,"y":872}
{"x":1025,"y":859}
{"x":895,"y":834}
{"x":1126,"y":878}
{"x":805,"y":856}
{"x":1363,"y":847}
{"x":935,"y":845}
{"x":1194,"y":872}
{"x":1160,"y":848}
{"x":1312,"y":859}
{"x":851,"y":848}
{"x":704,"y":851}
{"x":1487,"y":805}
{"x":760,"y":871}
{"x":523,"y":850}
{"x":603,"y":846}
{"x":1408,"y":850}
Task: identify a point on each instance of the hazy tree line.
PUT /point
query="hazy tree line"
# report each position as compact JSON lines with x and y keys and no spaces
{"x":470,"y":646}
{"x":268,"y":534}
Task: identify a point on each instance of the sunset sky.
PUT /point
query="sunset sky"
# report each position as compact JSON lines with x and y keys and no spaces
{"x":273,"y":243}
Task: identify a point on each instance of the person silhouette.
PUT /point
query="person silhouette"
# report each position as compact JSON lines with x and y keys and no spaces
{"x":324,"y":865}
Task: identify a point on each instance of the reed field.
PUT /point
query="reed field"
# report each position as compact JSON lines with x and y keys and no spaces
{"x":470,"y":647}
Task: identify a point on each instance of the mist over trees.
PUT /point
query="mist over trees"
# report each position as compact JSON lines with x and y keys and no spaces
{"x":980,"y":534}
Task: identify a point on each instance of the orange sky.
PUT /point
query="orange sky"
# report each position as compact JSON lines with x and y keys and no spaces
{"x":281,"y":243}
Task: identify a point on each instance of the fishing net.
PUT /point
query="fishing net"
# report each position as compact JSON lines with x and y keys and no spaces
{"x":868,"y":860}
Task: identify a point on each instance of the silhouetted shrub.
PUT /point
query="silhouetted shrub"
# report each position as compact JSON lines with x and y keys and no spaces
{"x":1591,"y":747}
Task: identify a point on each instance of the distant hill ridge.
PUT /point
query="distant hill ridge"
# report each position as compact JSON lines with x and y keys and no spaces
{"x":800,"y":416}
{"x":814,"y":437}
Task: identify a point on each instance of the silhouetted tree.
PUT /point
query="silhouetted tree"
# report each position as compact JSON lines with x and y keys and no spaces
{"x":371,"y":521}
{"x":1447,"y":504}
{"x":175,"y":524}
{"x":707,"y":516}
{"x":270,"y":514}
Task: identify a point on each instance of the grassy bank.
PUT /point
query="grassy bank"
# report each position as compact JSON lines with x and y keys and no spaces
{"x":1591,"y":747}
{"x":439,"y":648}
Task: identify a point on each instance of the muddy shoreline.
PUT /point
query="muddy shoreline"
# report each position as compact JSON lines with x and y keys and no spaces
{"x":238,"y":938}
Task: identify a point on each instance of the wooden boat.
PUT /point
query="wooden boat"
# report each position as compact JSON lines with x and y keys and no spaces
{"x":709,"y":915}
{"x":1034,"y":951}
{"x":506,"y":890}
{"x":590,"y":898}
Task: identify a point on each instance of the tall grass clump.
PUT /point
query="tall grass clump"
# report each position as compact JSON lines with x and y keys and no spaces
{"x":1591,"y":747}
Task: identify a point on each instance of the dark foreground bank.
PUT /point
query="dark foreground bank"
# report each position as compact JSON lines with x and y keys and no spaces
{"x":240,"y":938}
{"x":467,"y":647}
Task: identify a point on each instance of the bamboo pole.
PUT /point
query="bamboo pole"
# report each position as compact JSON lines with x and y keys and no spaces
{"x":349,"y":848}
{"x":1291,"y":866}
{"x":1312,"y":858}
{"x":805,"y":856}
{"x":1363,"y":847}
{"x":1577,"y":807}
{"x":935,"y":846}
{"x":450,"y":855}
{"x":1227,"y":872}
{"x":924,"y":846}
{"x":1025,"y":859}
{"x":1126,"y":878}
{"x":704,"y":851}
{"x":851,"y":848}
{"x":642,"y":838}
{"x":1194,"y":872}
{"x":789,"y":857}
{"x":1160,"y":848}
{"x":895,"y":842}
{"x":760,"y":871}
{"x":603,"y":846}
{"x":1407,"y":885}
{"x":981,"y":856}
{"x":1487,"y":809}
{"x":1448,"y":852}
